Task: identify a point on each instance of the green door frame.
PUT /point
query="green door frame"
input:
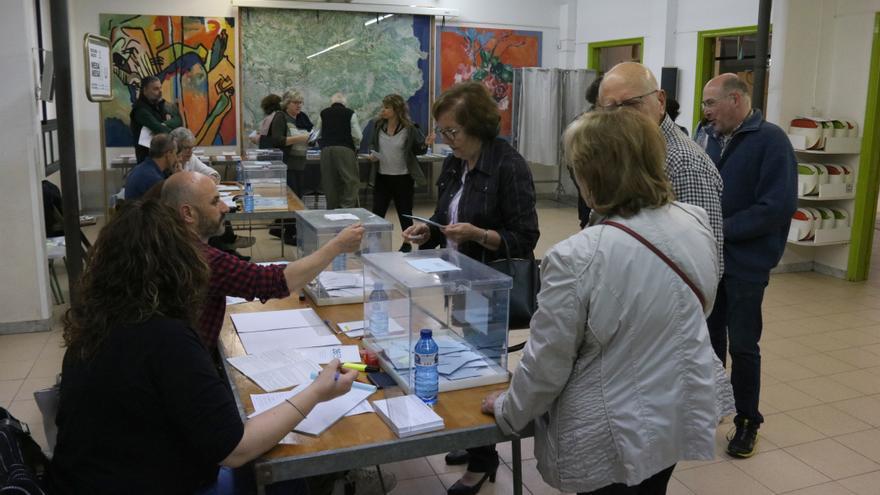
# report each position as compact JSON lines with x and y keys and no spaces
{"x":706,"y":59}
{"x":594,"y":48}
{"x":862,"y":242}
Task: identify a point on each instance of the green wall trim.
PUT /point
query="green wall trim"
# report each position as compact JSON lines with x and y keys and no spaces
{"x":868,"y":180}
{"x":593,"y":49}
{"x":705,"y":57}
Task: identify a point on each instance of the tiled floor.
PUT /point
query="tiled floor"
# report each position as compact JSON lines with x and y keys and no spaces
{"x":821,"y":390}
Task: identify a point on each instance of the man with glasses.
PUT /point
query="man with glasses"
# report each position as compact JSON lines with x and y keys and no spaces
{"x":694,"y":178}
{"x":759,"y":171}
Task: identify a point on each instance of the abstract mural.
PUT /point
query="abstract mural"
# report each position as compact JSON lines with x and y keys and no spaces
{"x":489,"y":56}
{"x":195,"y":59}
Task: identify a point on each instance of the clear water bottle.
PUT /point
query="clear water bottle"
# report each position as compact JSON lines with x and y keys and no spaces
{"x":427,"y":381}
{"x":248,"y":198}
{"x":339,"y":262}
{"x":378,"y":302}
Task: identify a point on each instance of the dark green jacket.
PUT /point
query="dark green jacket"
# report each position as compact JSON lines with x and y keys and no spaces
{"x":414,"y":145}
{"x":153,"y":117}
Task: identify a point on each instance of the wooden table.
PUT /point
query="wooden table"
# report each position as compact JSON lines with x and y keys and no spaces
{"x":362,"y":440}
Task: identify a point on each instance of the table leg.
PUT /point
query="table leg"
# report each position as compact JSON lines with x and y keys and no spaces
{"x":516,"y":454}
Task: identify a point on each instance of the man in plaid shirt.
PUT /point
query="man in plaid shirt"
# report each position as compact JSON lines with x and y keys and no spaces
{"x":195,"y":197}
{"x":694,"y":177}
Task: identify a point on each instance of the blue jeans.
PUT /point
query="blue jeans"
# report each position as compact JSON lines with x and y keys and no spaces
{"x":241,"y":481}
{"x":737,"y":317}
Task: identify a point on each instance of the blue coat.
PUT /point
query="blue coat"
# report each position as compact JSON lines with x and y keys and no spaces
{"x":759,"y":170}
{"x":144,"y":176}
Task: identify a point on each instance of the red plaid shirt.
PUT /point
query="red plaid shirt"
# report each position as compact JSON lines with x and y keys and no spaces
{"x":231,"y":276}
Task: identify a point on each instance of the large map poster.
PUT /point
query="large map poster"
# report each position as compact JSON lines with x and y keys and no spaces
{"x":489,"y":56}
{"x":365,"y":56}
{"x":195,"y":59}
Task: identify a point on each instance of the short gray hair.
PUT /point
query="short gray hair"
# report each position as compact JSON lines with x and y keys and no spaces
{"x":290,"y":97}
{"x":161,"y":144}
{"x":184,"y":137}
{"x":338,"y":98}
{"x":735,"y":84}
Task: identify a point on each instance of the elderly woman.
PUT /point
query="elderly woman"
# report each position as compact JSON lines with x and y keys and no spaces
{"x":186,"y":141}
{"x":619,"y":375}
{"x":143,"y":409}
{"x":395,"y":172}
{"x":288,"y":130}
{"x":486,"y":200}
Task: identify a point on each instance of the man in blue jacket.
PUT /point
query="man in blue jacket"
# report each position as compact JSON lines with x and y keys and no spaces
{"x":759,"y":170}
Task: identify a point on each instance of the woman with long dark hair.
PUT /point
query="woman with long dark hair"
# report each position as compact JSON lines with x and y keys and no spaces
{"x":143,"y":409}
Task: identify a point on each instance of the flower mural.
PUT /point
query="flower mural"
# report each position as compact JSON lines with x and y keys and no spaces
{"x":489,"y":56}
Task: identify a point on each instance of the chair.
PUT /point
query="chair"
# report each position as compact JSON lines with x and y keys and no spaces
{"x":56,"y":248}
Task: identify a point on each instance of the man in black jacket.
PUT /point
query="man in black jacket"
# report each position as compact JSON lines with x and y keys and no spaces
{"x":150,"y":111}
{"x":340,"y":135}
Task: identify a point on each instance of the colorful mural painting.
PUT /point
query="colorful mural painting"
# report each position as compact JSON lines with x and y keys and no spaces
{"x":487,"y":55}
{"x":195,"y":59}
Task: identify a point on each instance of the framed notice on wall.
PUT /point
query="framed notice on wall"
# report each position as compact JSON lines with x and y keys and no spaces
{"x":96,"y":54}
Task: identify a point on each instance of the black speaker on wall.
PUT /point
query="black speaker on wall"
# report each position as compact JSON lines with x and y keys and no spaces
{"x":669,"y":81}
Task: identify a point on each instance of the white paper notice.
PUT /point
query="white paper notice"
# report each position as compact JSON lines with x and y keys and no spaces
{"x":340,"y":216}
{"x":432,"y":265}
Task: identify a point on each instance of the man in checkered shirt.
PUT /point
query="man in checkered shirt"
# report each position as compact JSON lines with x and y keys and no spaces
{"x":694,"y":177}
{"x":194,"y":196}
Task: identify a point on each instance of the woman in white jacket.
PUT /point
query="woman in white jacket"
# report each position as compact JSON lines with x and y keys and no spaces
{"x":618,"y":374}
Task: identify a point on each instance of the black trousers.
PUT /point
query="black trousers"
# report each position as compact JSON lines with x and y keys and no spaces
{"x":655,"y":485}
{"x":399,"y":188}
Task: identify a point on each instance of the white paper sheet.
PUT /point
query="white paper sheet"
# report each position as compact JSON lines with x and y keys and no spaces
{"x":227,"y":188}
{"x":261,"y":321}
{"x":323,"y":355}
{"x":333,"y":217}
{"x":410,"y":415}
{"x":425,"y":220}
{"x":232,"y":300}
{"x":324,"y":414}
{"x":145,"y":137}
{"x":257,"y":342}
{"x":276,"y":369}
{"x":432,"y":265}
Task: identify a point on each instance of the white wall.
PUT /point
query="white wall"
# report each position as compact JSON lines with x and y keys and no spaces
{"x":24,"y":300}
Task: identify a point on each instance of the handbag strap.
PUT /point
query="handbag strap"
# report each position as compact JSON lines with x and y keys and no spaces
{"x":662,"y":256}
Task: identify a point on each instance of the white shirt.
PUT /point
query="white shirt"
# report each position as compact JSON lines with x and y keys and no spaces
{"x":196,"y":165}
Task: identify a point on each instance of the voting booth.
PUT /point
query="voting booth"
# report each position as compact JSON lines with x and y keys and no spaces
{"x":463,"y":302}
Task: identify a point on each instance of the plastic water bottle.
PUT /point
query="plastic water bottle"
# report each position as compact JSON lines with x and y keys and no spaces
{"x":339,"y":263}
{"x":427,"y":381}
{"x":248,"y":198}
{"x":378,"y":310}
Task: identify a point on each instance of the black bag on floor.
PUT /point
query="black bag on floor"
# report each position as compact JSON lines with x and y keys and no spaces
{"x":22,"y":463}
{"x":289,"y":230}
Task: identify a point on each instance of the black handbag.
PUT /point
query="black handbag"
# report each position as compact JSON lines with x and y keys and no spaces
{"x":526,"y":284}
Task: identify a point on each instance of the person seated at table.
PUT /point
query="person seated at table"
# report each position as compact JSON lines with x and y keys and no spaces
{"x":486,"y":200}
{"x":186,"y":161}
{"x":160,"y":164}
{"x":142,"y":408}
{"x":196,"y":200}
{"x":619,"y":375}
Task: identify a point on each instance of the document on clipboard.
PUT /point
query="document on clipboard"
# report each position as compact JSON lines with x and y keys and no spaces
{"x":425,"y":220}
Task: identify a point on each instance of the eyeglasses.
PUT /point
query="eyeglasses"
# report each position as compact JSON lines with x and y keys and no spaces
{"x":629,"y":102}
{"x":447,"y":132}
{"x":711,"y":102}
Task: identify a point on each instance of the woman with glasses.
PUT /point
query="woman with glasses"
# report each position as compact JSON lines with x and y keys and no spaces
{"x":186,"y":141}
{"x":486,"y":201}
{"x":288,"y":131}
{"x":619,"y":375}
{"x":395,"y":171}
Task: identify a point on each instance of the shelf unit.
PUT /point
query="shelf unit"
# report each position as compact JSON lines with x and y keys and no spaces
{"x":829,"y":251}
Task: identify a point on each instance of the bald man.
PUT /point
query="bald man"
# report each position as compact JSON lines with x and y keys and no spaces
{"x":695,"y":179}
{"x":759,"y":171}
{"x":194,"y":196}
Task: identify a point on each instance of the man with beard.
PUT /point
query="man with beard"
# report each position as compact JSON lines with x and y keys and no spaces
{"x":150,"y":111}
{"x":194,"y":196}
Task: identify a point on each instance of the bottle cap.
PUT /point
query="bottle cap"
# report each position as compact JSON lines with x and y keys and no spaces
{"x":426,"y":333}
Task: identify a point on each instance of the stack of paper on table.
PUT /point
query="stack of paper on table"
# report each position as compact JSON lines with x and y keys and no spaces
{"x":341,"y":284}
{"x":284,"y":368}
{"x":456,"y":361}
{"x":267,"y":330}
{"x":325,"y":414}
{"x":408,"y":415}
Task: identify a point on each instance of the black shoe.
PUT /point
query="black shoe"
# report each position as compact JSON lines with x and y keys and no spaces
{"x":742,"y":444}
{"x":457,"y":457}
{"x":405,"y":247}
{"x":460,"y":488}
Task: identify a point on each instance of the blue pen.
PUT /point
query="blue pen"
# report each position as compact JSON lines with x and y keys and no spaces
{"x":336,"y":377}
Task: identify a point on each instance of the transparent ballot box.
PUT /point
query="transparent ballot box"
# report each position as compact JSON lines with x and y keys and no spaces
{"x":463,"y":302}
{"x":269,"y":182}
{"x":342,"y":281}
{"x":271,"y":155}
